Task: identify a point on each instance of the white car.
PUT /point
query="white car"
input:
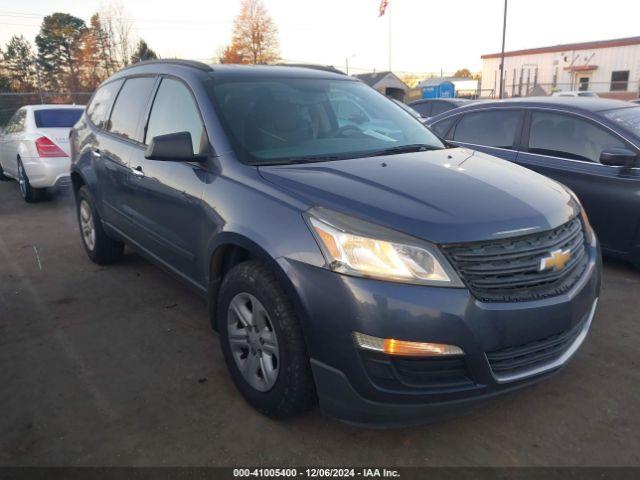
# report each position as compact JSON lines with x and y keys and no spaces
{"x":576,"y":93}
{"x":34,"y":148}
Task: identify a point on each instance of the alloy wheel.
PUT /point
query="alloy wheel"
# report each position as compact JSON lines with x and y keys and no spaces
{"x":253,"y":341}
{"x":22,"y":180}
{"x":86,"y":225}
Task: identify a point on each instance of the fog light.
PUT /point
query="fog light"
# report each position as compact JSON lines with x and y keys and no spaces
{"x":391,"y":346}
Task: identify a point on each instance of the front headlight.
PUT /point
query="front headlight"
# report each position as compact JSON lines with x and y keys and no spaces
{"x":588,"y":229}
{"x":355,"y":247}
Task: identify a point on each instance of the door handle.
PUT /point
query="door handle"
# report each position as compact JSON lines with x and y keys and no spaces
{"x":137,"y":171}
{"x":96,"y":152}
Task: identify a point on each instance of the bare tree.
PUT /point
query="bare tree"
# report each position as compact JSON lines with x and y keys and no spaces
{"x":255,"y":35}
{"x":119,"y":30}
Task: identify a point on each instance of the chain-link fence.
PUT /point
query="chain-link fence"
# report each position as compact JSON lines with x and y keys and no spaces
{"x":12,"y":101}
{"x":627,"y":90}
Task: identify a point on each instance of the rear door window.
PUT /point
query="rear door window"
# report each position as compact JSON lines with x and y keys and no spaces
{"x":57,"y":117}
{"x":173,"y":111}
{"x":130,"y":106}
{"x":440,"y":107}
{"x":98,"y":109}
{"x":423,"y":108}
{"x":567,"y":136}
{"x":495,"y":128}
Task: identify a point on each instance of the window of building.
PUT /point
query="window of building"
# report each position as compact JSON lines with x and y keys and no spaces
{"x":620,"y":81}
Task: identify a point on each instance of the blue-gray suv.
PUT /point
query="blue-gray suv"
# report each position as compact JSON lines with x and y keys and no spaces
{"x":348,"y":255}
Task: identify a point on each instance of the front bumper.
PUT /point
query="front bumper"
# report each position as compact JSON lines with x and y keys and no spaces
{"x":353,"y":386}
{"x":47,"y":172}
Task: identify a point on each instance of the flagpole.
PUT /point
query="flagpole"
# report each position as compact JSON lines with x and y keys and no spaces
{"x":389,"y":10}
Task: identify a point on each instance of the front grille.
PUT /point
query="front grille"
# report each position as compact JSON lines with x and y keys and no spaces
{"x":523,"y":358}
{"x":508,"y":270}
{"x":439,"y":373}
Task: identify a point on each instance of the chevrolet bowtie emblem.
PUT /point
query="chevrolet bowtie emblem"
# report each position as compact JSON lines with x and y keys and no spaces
{"x":556,"y":260}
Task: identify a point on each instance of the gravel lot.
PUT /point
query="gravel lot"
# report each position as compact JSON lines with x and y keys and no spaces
{"x":117,"y":366}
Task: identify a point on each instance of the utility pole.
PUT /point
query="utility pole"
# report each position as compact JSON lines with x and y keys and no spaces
{"x":504,"y":33}
{"x":389,"y":10}
{"x":35,"y":64}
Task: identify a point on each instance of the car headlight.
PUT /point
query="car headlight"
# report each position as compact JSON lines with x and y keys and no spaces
{"x":590,"y":234}
{"x":355,"y":247}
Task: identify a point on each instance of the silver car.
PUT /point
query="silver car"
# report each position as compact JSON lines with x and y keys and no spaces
{"x":34,"y":148}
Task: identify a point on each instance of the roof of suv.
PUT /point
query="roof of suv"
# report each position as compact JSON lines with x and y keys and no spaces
{"x":232,"y":70}
{"x":570,"y":103}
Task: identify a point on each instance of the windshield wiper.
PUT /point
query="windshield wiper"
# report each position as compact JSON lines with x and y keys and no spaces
{"x":295,"y":160}
{"x":418,"y":147}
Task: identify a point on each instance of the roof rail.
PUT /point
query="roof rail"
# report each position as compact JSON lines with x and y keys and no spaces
{"x":173,"y":61}
{"x":324,"y":68}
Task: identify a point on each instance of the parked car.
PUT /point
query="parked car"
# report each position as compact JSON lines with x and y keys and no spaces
{"x":636,"y":101}
{"x":34,"y":148}
{"x":409,"y":110}
{"x":590,"y":145}
{"x":430,"y":107}
{"x":389,"y":277}
{"x":576,"y":93}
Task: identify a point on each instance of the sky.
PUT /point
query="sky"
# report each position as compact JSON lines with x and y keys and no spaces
{"x":426,"y":35}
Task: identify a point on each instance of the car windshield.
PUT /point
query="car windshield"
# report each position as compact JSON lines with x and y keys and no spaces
{"x":57,"y":117}
{"x":295,"y":120}
{"x":627,"y":118}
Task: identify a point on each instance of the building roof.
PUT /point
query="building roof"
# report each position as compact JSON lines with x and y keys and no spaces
{"x":372,"y":78}
{"x":619,"y":42}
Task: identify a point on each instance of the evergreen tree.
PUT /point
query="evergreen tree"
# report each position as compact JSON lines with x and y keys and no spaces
{"x":59,"y":44}
{"x":143,"y":52}
{"x":18,"y":64}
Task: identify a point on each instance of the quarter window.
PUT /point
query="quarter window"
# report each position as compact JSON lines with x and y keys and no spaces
{"x":567,"y":136}
{"x":491,"y":128}
{"x":173,"y":111}
{"x":98,"y":110}
{"x":129,"y":107}
{"x":620,"y":81}
{"x":442,"y":127}
{"x":16,"y":124}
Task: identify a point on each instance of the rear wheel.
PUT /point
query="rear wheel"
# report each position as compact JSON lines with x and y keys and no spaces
{"x":262,"y":342}
{"x":29,"y":194}
{"x":100,"y":248}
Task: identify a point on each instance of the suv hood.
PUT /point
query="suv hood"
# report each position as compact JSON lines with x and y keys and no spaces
{"x":444,"y":196}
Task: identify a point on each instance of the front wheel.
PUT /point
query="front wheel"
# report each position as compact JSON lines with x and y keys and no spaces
{"x":29,"y":194}
{"x":100,"y":248}
{"x":262,"y":342}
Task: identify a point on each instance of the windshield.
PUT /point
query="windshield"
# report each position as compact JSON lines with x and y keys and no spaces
{"x":57,"y":117}
{"x":287,"y":120}
{"x":627,"y":118}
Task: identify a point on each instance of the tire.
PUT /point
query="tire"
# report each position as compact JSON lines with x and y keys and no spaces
{"x":3,"y":177}
{"x":100,"y":248}
{"x":293,"y":390}
{"x":29,"y":194}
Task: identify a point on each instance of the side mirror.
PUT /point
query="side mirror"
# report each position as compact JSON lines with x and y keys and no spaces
{"x":618,"y":157}
{"x":172,"y":147}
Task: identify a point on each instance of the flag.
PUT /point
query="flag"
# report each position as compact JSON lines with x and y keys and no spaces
{"x":383,"y":7}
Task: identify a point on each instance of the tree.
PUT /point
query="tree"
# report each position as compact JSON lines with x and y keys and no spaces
{"x":231,"y":54}
{"x":255,"y":35}
{"x":143,"y":52}
{"x":104,"y":43}
{"x":119,"y":30}
{"x":463,"y":73}
{"x":18,"y":63}
{"x":59,"y":43}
